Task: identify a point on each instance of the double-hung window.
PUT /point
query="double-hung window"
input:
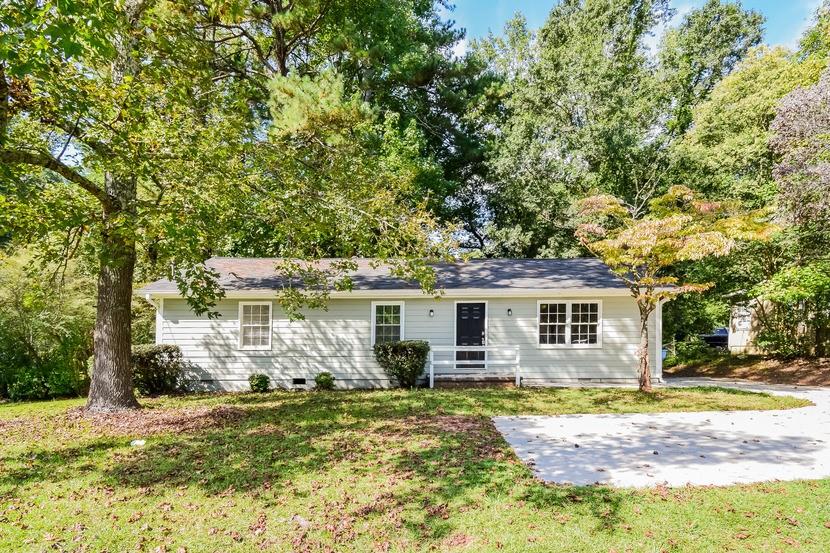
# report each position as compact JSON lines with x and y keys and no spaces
{"x":387,"y":322}
{"x":570,"y":323}
{"x":553,"y":323}
{"x":255,"y":325}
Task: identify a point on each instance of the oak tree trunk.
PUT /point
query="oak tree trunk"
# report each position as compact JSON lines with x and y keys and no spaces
{"x":111,"y":388}
{"x":642,"y":353}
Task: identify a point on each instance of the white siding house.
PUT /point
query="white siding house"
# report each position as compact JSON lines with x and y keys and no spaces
{"x":544,"y":322}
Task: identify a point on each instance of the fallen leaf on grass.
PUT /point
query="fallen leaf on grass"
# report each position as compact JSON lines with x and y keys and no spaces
{"x":438,"y":511}
{"x":154,"y":421}
{"x":234,"y":535}
{"x":458,"y":540}
{"x":259,"y":527}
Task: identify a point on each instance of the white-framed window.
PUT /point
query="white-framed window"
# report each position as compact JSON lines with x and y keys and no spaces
{"x":571,"y":323}
{"x":553,"y":323}
{"x":387,"y":321}
{"x":255,"y":325}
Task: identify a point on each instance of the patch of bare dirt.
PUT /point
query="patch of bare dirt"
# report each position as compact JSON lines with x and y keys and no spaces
{"x":9,"y":425}
{"x":477,"y":433}
{"x":437,"y":423}
{"x":77,"y":422}
{"x":803,"y":372}
{"x":158,"y":421}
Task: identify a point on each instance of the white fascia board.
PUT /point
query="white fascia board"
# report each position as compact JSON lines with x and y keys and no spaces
{"x":413,"y":293}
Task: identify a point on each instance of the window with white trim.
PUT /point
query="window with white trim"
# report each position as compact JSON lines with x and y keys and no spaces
{"x":584,"y":323}
{"x":255,"y":325}
{"x":570,"y":323}
{"x":387,"y":322}
{"x":552,"y":323}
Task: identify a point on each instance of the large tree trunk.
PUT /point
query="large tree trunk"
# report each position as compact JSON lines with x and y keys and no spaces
{"x":642,"y":352}
{"x":112,"y":377}
{"x":111,"y":388}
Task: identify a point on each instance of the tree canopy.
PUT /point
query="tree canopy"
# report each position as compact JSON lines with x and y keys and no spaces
{"x":589,"y":106}
{"x":140,"y":137}
{"x":126,"y":135}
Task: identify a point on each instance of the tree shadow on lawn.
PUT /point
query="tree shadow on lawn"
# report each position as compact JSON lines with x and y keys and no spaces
{"x":433,"y":462}
{"x":438,"y":463}
{"x":285,"y":433}
{"x":52,"y":465}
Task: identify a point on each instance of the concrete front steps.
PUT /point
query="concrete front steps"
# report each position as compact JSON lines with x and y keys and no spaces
{"x":456,"y":381}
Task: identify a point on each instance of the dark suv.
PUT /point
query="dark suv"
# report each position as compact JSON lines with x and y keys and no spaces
{"x":719,"y":338}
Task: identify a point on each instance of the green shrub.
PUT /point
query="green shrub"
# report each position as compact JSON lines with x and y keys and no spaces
{"x":403,"y":361}
{"x":28,"y":385}
{"x":157,"y":368}
{"x":794,"y":314}
{"x":45,"y":328}
{"x":692,"y":350}
{"x":259,"y":382}
{"x":52,"y":378}
{"x":324,"y":381}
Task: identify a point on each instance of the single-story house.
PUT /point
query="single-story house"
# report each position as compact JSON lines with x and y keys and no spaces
{"x":535,"y":321}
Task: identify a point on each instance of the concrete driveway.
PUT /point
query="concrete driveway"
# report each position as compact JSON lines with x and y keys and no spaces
{"x":709,"y":448}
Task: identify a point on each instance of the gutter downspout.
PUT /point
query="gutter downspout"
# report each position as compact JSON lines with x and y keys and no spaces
{"x":159,"y":305}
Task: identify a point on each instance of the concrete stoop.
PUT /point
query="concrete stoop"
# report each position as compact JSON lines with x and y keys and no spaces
{"x":475,"y":381}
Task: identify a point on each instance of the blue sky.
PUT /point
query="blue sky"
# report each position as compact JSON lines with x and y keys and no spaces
{"x":785,"y":19}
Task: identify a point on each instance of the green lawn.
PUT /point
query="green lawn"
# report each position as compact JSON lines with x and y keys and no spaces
{"x":363,"y":471}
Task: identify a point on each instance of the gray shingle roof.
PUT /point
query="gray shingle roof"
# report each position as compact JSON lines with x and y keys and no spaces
{"x":259,"y":274}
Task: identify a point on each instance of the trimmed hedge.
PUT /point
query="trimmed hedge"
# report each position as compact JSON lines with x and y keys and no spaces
{"x":403,"y":360}
{"x":324,"y":381}
{"x":259,"y":383}
{"x":157,"y":368}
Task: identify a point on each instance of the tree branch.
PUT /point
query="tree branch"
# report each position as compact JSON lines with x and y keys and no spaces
{"x":75,"y":131}
{"x":68,"y":139}
{"x":20,"y":157}
{"x":4,"y":104}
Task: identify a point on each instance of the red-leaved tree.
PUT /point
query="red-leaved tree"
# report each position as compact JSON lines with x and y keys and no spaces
{"x":679,"y":226}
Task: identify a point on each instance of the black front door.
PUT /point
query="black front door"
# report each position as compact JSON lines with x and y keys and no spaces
{"x":470,"y":327}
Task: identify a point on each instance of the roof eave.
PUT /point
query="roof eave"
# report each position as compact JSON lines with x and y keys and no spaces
{"x":418,"y":293}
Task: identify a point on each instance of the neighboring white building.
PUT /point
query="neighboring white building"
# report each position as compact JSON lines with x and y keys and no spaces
{"x":744,"y":327}
{"x":538,"y":321}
